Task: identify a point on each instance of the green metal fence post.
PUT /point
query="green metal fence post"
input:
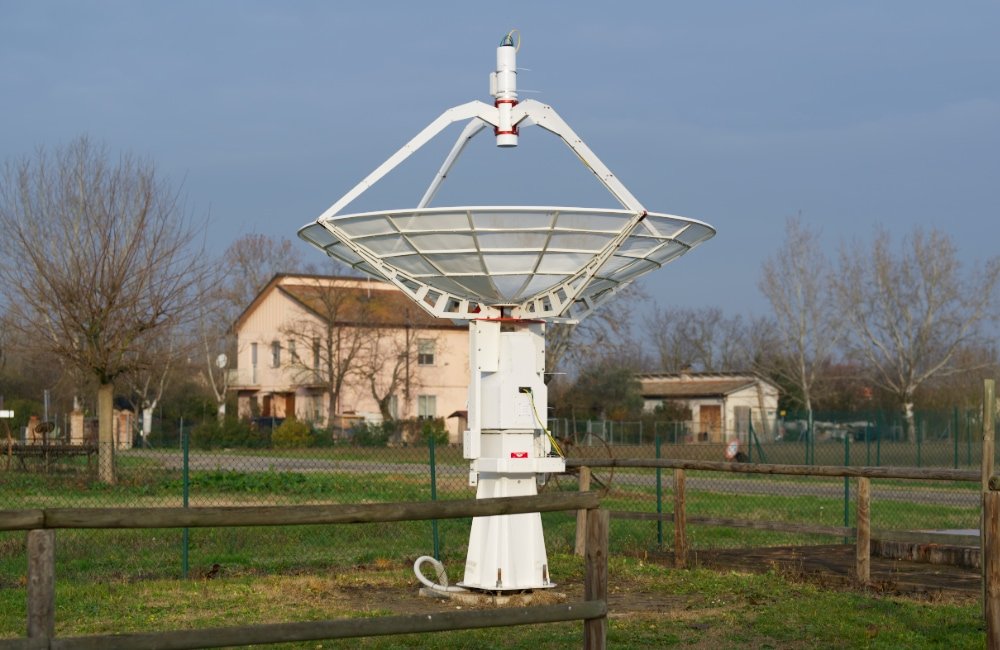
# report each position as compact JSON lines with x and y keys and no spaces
{"x":811,"y":442}
{"x":434,"y":494}
{"x":805,"y":438}
{"x":847,"y":482}
{"x":186,"y":490}
{"x":878,"y":447}
{"x":659,"y":498}
{"x":868,"y":445}
{"x":919,"y":425}
{"x":954,"y":435}
{"x":968,"y":439}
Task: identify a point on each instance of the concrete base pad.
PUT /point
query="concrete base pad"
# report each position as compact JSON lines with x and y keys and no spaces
{"x":496,"y":599}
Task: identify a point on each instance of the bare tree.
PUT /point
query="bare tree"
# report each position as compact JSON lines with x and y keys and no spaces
{"x":216,"y":349}
{"x":147,"y":381}
{"x":965,"y":389}
{"x":912,"y":312}
{"x":389,"y":361}
{"x":804,"y":324}
{"x":97,"y":261}
{"x":703,"y":339}
{"x":336,"y":336}
{"x":244,"y":270}
{"x":5,"y":331}
{"x":250,"y":262}
{"x":606,"y":332}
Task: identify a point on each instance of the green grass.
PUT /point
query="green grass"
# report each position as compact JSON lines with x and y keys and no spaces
{"x":156,"y":554}
{"x":127,"y":580}
{"x":651,"y":606}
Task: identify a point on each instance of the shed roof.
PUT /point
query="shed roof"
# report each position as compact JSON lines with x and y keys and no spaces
{"x":689,"y":385}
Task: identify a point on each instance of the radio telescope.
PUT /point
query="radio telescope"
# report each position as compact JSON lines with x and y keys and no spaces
{"x":507,"y":270}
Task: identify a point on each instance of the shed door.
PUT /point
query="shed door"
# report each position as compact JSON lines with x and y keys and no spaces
{"x":710,"y":417}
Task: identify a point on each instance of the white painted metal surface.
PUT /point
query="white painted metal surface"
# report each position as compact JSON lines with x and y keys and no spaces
{"x":507,"y":270}
{"x":543,"y":262}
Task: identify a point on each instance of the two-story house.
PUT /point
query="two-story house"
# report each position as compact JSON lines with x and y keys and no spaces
{"x":333,"y":349}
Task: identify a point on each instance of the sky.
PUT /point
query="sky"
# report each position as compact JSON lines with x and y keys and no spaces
{"x":853,"y":115}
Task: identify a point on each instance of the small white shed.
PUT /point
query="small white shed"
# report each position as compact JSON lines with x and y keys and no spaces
{"x":722,"y":404}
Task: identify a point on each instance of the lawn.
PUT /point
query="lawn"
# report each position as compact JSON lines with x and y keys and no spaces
{"x":129,"y":580}
{"x":650,"y":606}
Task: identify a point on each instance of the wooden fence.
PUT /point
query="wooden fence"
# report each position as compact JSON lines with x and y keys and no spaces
{"x":861,"y":531}
{"x":989,"y":538}
{"x":41,"y":525}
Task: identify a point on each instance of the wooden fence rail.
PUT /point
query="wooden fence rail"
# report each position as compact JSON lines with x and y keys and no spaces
{"x":916,"y":473}
{"x":41,"y":525}
{"x":862,"y":531}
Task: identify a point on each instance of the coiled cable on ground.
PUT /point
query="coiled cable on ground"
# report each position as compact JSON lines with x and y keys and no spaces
{"x":440,"y":575}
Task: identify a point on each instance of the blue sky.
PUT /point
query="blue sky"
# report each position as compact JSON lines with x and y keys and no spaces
{"x":741,"y":114}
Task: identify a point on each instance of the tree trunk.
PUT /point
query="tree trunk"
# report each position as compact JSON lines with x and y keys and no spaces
{"x":147,"y":422}
{"x":105,"y":433}
{"x":909,"y":421}
{"x":220,"y":412}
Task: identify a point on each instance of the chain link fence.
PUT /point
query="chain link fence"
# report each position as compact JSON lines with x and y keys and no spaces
{"x":205,"y":464}
{"x":950,"y":439}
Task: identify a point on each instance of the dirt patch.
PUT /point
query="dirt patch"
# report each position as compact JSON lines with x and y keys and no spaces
{"x":832,"y":565}
{"x":371,"y":589}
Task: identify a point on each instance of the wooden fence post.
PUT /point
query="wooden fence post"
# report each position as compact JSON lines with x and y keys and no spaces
{"x":863,"y":557}
{"x":41,"y":583}
{"x":991,"y":568}
{"x":595,"y":581}
{"x":680,"y":521}
{"x":989,"y":408}
{"x":581,"y":515}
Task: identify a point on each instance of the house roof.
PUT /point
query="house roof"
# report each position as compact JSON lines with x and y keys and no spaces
{"x":692,"y":384}
{"x":349,"y":301}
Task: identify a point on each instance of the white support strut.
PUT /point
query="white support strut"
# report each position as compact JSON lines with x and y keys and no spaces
{"x":546,"y":117}
{"x":470,"y":131}
{"x":470,"y":110}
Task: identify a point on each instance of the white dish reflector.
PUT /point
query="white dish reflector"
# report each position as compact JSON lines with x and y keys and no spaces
{"x":531,"y":258}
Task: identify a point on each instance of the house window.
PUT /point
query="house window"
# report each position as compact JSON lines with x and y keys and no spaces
{"x":315,"y":404}
{"x":316,"y":353}
{"x":253,"y":363}
{"x":425,"y":352}
{"x":275,"y":354}
{"x":394,"y":407}
{"x":426,"y":407}
{"x":293,"y":356}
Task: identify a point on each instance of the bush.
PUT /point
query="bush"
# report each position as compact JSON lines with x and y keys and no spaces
{"x":292,"y":433}
{"x":372,"y":434}
{"x":23,"y":410}
{"x":231,"y":433}
{"x":434,"y":429}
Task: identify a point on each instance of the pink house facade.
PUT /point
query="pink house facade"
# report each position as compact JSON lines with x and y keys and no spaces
{"x":336,"y":350}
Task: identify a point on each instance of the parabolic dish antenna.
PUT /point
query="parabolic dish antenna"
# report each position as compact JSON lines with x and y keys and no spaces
{"x":544,"y":262}
{"x":519,"y":266}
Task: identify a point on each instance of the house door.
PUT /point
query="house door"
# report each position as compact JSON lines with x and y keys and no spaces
{"x":710,"y":418}
{"x":290,"y":405}
{"x":265,"y":407}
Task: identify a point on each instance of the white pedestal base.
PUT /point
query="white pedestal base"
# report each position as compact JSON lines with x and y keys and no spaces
{"x":506,"y":552}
